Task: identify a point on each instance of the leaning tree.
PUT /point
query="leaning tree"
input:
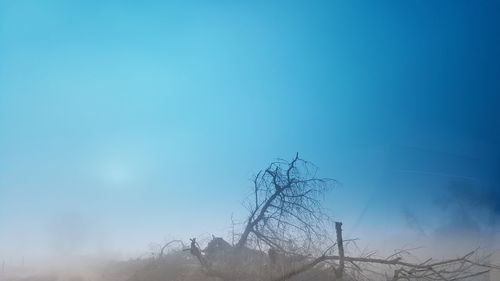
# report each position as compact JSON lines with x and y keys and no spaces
{"x":288,"y":234}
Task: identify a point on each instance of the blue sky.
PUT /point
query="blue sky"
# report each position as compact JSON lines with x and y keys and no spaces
{"x":124,"y":123}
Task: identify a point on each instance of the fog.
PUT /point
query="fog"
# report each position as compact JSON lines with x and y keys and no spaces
{"x":124,"y":126}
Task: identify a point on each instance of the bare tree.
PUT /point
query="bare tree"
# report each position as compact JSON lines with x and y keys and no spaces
{"x":287,"y":219}
{"x":285,"y":207}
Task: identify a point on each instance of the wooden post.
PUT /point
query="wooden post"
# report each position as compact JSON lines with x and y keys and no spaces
{"x":339,"y":273}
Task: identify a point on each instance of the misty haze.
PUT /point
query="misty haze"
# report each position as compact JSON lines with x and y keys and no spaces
{"x":249,"y":141}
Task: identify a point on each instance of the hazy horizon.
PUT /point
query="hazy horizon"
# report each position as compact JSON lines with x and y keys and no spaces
{"x":125,"y":124}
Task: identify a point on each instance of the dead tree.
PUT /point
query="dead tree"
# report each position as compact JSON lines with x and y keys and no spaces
{"x":286,"y":218}
{"x":285,"y":206}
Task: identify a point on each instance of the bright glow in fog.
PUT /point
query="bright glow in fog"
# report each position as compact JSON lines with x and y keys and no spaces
{"x":117,"y":173}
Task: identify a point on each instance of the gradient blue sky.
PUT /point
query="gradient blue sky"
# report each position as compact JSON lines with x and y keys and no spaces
{"x":124,"y":123}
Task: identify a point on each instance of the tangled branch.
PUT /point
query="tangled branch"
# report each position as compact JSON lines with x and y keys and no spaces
{"x":286,"y":205}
